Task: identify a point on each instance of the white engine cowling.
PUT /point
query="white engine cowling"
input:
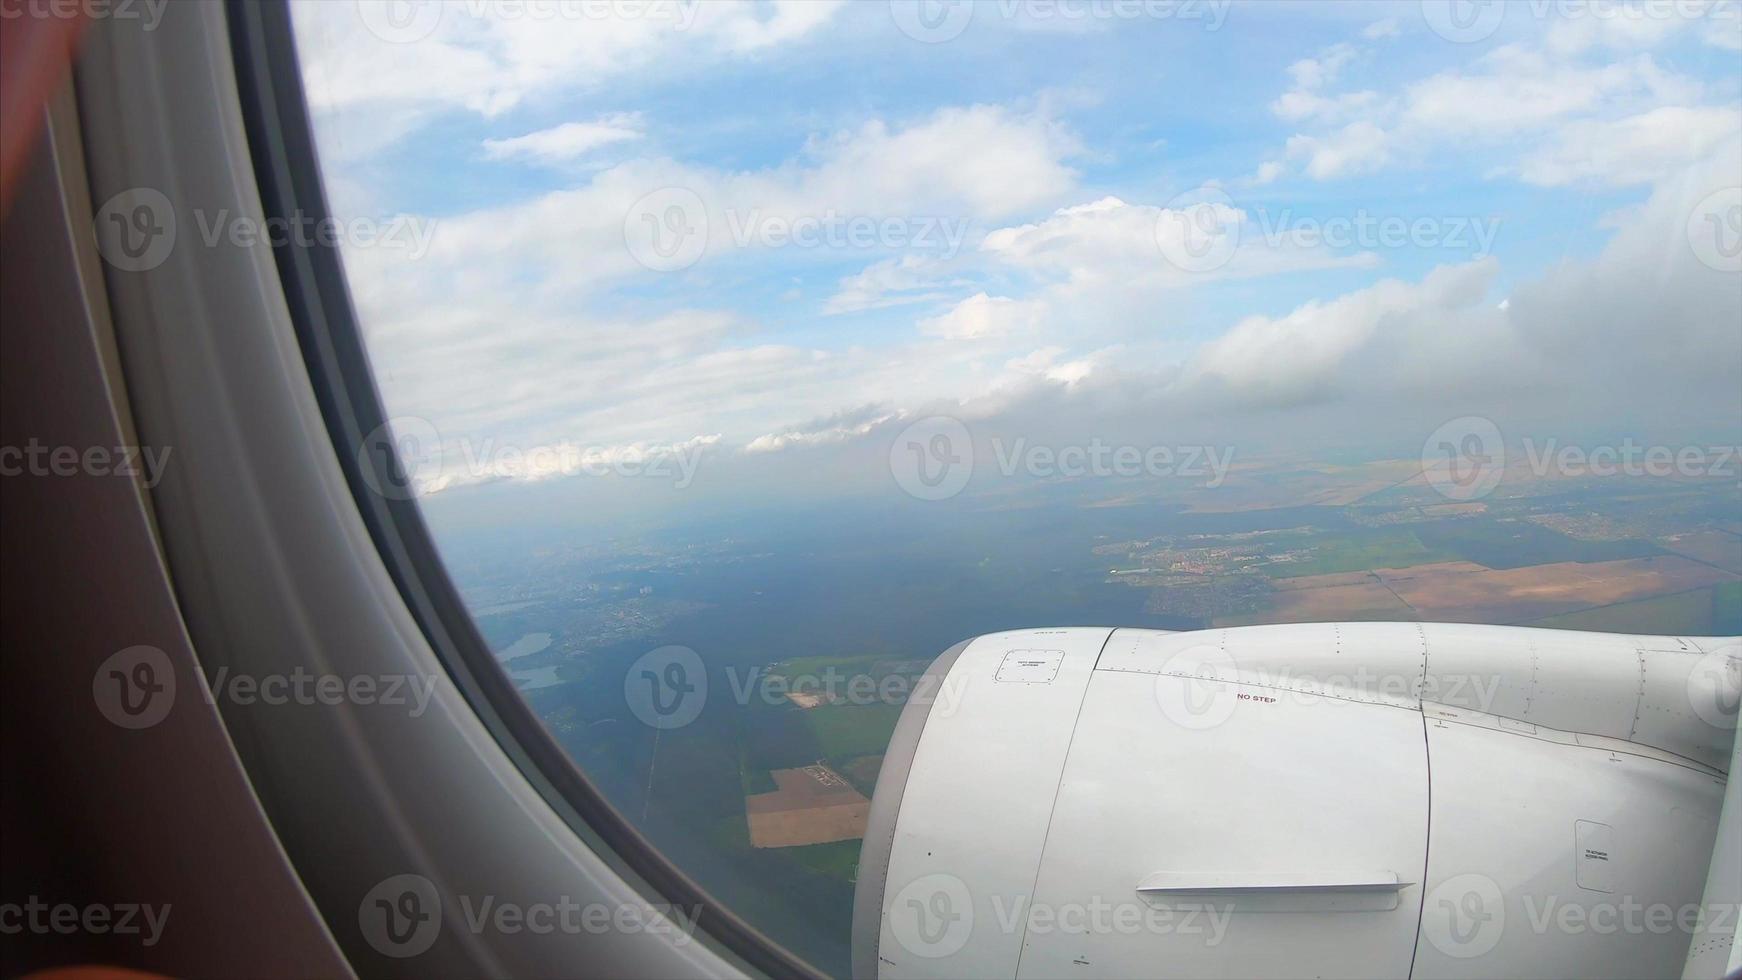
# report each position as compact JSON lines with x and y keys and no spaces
{"x":1331,"y":800}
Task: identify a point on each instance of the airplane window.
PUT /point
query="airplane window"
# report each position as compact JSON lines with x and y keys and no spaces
{"x":743,"y":358}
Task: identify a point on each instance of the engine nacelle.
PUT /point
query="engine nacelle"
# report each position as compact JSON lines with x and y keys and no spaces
{"x":1330,"y":800}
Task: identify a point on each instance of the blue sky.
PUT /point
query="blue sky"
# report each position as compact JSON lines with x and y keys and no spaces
{"x":1561,"y":154}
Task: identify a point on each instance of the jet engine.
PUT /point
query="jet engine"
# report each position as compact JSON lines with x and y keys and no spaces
{"x":1323,"y":800}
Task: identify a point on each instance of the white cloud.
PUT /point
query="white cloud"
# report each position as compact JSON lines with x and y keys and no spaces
{"x":1311,"y":75}
{"x":1111,"y":245}
{"x":1267,"y":172}
{"x":489,"y":58}
{"x":959,"y":165}
{"x":829,"y":430}
{"x":1297,"y":356}
{"x":1050,"y":364}
{"x":1319,"y":71}
{"x":980,"y":317}
{"x":1300,"y":106}
{"x":1536,"y":103}
{"x":1724,"y":27}
{"x":496,"y":332}
{"x":792,"y":19}
{"x":1521,"y":90}
{"x":1644,"y":317}
{"x":567,"y":142}
{"x":473,"y":336}
{"x":1380,"y":29}
{"x":1626,"y":26}
{"x":989,"y":159}
{"x":890,"y":282}
{"x":1358,"y":148}
{"x":1638,"y":149}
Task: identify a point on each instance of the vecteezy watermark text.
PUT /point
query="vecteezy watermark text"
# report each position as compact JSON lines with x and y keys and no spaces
{"x":1201,"y":231}
{"x":303,"y":687}
{"x":934,"y":458}
{"x":33,"y":915}
{"x":1465,"y":459}
{"x":832,"y":229}
{"x":410,"y":21}
{"x":137,"y":230}
{"x":402,"y":917}
{"x":407,"y":455}
{"x":935,"y":915}
{"x":37,"y":459}
{"x":1099,"y":458}
{"x":135,"y":688}
{"x":937,"y":21}
{"x":671,"y":228}
{"x":149,"y":13}
{"x":1470,"y":21}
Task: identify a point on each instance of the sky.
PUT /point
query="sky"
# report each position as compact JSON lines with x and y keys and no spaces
{"x":773,"y":235}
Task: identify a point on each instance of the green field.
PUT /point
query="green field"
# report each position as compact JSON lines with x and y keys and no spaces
{"x":1715,"y":611}
{"x":837,"y":859}
{"x":1358,"y":551}
{"x":1512,"y":543}
{"x":846,"y":730}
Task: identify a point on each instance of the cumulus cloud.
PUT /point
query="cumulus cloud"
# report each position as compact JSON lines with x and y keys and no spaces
{"x":827,"y":430}
{"x":1635,"y":150}
{"x":1109,"y":243}
{"x":532,"y":323}
{"x":567,"y":142}
{"x":891,"y":282}
{"x":1361,"y":147}
{"x":371,"y":76}
{"x":1536,"y":104}
{"x":1300,"y":356}
{"x":952,"y":168}
{"x":980,"y":317}
{"x":1646,"y":312}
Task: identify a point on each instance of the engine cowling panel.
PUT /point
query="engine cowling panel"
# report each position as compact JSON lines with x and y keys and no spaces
{"x":1321,"y":800}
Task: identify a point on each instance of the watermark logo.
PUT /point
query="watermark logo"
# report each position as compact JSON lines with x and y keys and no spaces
{"x":41,"y":918}
{"x":136,"y":229}
{"x":1099,"y":458}
{"x":1715,"y":686}
{"x":933,"y":916}
{"x":1715,"y":230}
{"x":1364,"y":229}
{"x":1631,"y":459}
{"x":35,"y":458}
{"x":399,"y":455}
{"x":1464,"y":916}
{"x":412,"y":692}
{"x":933,"y":459}
{"x":148,"y":12}
{"x":401,"y":21}
{"x":1465,"y":458}
{"x":666,"y":688}
{"x":406,"y":456}
{"x":1463,"y":21}
{"x":1195,"y":687}
{"x":401,"y":916}
{"x":410,"y":21}
{"x":932,"y":21}
{"x":834,"y":686}
{"x":940,"y":235}
{"x":667,"y":230}
{"x":135,"y":688}
{"x":569,"y":917}
{"x":1198,"y":231}
{"x":937,"y":21}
